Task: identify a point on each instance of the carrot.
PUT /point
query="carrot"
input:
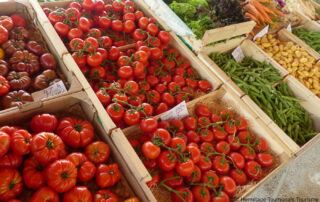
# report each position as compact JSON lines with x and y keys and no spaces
{"x":279,"y":12}
{"x":268,"y":10}
{"x":264,"y":1}
{"x":252,"y":17}
{"x":260,"y":8}
{"x":252,"y":10}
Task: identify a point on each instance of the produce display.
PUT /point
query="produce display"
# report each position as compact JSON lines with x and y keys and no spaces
{"x":305,"y":6}
{"x":25,"y":65}
{"x":53,"y":159}
{"x":142,"y":81}
{"x":263,"y":84}
{"x":310,"y":37}
{"x":295,"y":59}
{"x":203,"y":157}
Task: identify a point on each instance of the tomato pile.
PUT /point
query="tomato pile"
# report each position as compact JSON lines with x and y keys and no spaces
{"x":204,"y":157}
{"x":39,"y":160}
{"x":145,"y":80}
{"x":25,"y":66}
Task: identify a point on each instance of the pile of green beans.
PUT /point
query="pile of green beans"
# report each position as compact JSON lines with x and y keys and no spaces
{"x":263,"y":84}
{"x":309,"y":37}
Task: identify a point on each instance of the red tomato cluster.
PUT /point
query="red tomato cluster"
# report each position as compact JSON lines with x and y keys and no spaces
{"x":145,"y":80}
{"x":25,"y":66}
{"x":39,"y":161}
{"x":203,"y":157}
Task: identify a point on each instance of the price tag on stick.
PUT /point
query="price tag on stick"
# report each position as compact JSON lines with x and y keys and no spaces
{"x":238,"y":54}
{"x":289,"y":28}
{"x":178,"y":112}
{"x":55,"y":89}
{"x":263,"y":32}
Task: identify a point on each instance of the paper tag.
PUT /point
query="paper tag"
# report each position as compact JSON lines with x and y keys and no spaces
{"x":178,"y":112}
{"x":289,"y":28}
{"x":55,"y":89}
{"x":263,"y":32}
{"x":238,"y":54}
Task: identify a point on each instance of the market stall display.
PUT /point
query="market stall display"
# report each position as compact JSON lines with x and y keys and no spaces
{"x":29,"y":64}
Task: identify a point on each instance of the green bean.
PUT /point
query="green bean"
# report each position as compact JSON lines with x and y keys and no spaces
{"x":311,"y":38}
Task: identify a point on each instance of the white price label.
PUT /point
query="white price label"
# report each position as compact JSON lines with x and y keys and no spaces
{"x":178,"y":112}
{"x":55,"y":89}
{"x":263,"y":32}
{"x":289,"y":28}
{"x":238,"y":54}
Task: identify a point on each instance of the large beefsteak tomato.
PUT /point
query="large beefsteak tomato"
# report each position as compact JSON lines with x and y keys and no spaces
{"x":10,"y":184}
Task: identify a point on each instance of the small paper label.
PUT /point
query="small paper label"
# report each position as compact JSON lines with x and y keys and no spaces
{"x":263,"y":32}
{"x":178,"y":112}
{"x":289,"y":28}
{"x":238,"y":54}
{"x":55,"y":89}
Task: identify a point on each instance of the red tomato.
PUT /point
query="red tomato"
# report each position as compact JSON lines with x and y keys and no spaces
{"x":10,"y":184}
{"x":80,"y":59}
{"x":138,"y":14}
{"x":4,"y":84}
{"x":210,"y":177}
{"x":154,"y":181}
{"x":234,"y":142}
{"x":193,"y":136}
{"x":152,"y":29}
{"x":177,"y":125}
{"x":121,"y":98}
{"x":219,"y":133}
{"x":33,"y":173}
{"x":174,"y":181}
{"x":94,"y":32}
{"x":45,"y":194}
{"x":98,"y":152}
{"x":150,"y":150}
{"x":4,"y":143}
{"x":248,"y":152}
{"x":105,"y":195}
{"x":125,"y":72}
{"x":265,"y":160}
{"x":221,"y":165}
{"x":207,"y":148}
{"x":166,"y":160}
{"x":261,"y":145}
{"x":204,"y":163}
{"x":148,"y":125}
{"x":131,"y":117}
{"x":11,"y":160}
{"x":163,"y":135}
{"x":61,"y":28}
{"x":222,"y":147}
{"x":103,"y":97}
{"x":164,"y":36}
{"x":190,"y":123}
{"x":84,"y":24}
{"x":115,"y":111}
{"x":47,"y":147}
{"x":79,"y":193}
{"x":91,"y":44}
{"x":206,"y":135}
{"x":195,"y":176}
{"x":162,"y":107}
{"x":131,"y":87}
{"x":204,"y":86}
{"x":237,"y":159}
{"x":86,"y":169}
{"x":185,"y":168}
{"x":156,"y":53}
{"x":229,"y":185}
{"x":195,"y":153}
{"x":178,"y":143}
{"x":220,"y":197}
{"x":107,"y":175}
{"x":20,"y":142}
{"x":88,"y":4}
{"x":129,"y":26}
{"x":168,"y":99}
{"x":9,"y":129}
{"x":61,"y":175}
{"x":43,"y":123}
{"x":241,"y":123}
{"x":75,"y":5}
{"x":225,"y":114}
{"x":203,"y":110}
{"x":75,"y":33}
{"x":74,"y":132}
{"x":245,"y":137}
{"x":253,"y":170}
{"x":55,"y":17}
{"x":117,"y":25}
{"x":129,"y":16}
{"x":6,"y":22}
{"x":94,"y":60}
{"x":230,"y":127}
{"x":182,"y":193}
{"x":201,"y":193}
{"x":238,"y":176}
{"x":18,"y":20}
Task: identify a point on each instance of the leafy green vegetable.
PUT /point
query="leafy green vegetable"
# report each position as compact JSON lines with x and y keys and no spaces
{"x":184,"y":10}
{"x":200,"y":26}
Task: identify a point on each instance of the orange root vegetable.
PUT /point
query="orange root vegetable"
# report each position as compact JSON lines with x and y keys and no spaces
{"x":252,"y":17}
{"x":252,"y":10}
{"x":261,"y":9}
{"x":279,"y":12}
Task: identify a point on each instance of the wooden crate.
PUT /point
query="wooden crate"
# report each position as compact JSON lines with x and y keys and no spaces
{"x":79,"y":105}
{"x":39,"y":34}
{"x":307,"y":23}
{"x":224,"y":97}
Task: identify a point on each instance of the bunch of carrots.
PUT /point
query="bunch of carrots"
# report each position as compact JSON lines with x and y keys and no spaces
{"x":263,"y":12}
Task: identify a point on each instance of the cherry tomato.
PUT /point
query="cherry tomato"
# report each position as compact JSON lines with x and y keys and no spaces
{"x":185,"y":168}
{"x":261,"y":145}
{"x":117,"y":25}
{"x":175,"y":179}
{"x":248,"y":152}
{"x":148,"y":125}
{"x":167,"y":160}
{"x":154,"y":181}
{"x":73,"y":14}
{"x":204,"y":163}
{"x":129,"y":26}
{"x":91,"y":44}
{"x":201,"y":193}
{"x":88,"y":4}
{"x":182,"y":193}
{"x":237,"y":159}
{"x":84,"y":24}
{"x":150,"y":150}
{"x":203,"y":110}
{"x":94,"y":60}
{"x":163,"y":134}
{"x":193,"y":136}
{"x":210,"y":177}
{"x":125,"y":72}
{"x":115,"y":111}
{"x":220,"y":197}
{"x":229,"y":185}
{"x":80,"y":59}
{"x":225,"y":114}
{"x":234,"y":142}
{"x":223,"y":147}
{"x":131,"y":117}
{"x":206,"y":135}
{"x":238,"y":176}
{"x":245,"y":137}
{"x":195,"y":176}
{"x":265,"y":160}
{"x":219,"y":133}
{"x":178,"y":143}
{"x":164,"y":36}
{"x":221,"y":165}
{"x":94,"y":32}
{"x":253,"y":170}
{"x":195,"y":153}
{"x":162,"y":107}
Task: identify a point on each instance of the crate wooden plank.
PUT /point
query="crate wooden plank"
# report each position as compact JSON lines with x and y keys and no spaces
{"x":285,"y":35}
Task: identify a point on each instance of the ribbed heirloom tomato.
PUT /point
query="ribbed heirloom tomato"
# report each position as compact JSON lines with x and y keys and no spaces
{"x":107,"y":175}
{"x":61,"y":175}
{"x":76,"y":133}
{"x":11,"y":160}
{"x":33,"y":173}
{"x":86,"y":169}
{"x":79,"y":193}
{"x":45,"y":194}
{"x":47,"y":147}
{"x":43,"y":123}
{"x":20,"y":142}
{"x":105,"y":195}
{"x":97,"y":152}
{"x":10,"y":184}
{"x":4,"y":143}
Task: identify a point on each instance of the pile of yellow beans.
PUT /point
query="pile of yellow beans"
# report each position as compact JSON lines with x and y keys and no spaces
{"x":293,"y":58}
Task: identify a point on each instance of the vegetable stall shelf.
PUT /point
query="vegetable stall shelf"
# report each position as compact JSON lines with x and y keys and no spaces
{"x":225,"y":98}
{"x":40,"y":35}
{"x":308,"y":100}
{"x":78,"y":105}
